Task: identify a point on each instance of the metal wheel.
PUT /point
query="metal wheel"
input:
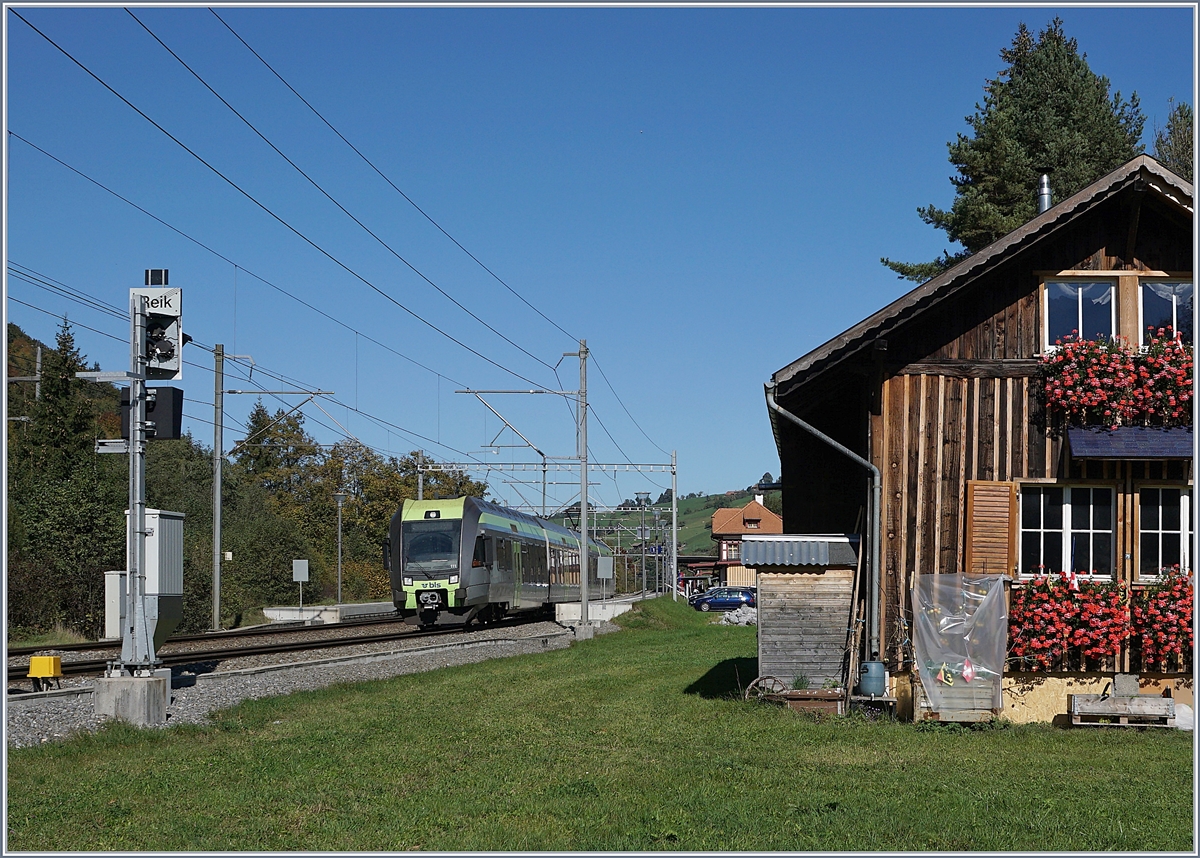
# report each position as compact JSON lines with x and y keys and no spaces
{"x":763,"y":686}
{"x":704,"y":606}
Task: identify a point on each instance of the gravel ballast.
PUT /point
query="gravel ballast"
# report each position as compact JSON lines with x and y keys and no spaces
{"x":194,"y":696}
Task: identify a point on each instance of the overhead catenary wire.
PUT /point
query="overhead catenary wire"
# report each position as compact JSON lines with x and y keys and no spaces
{"x":114,"y":311}
{"x":269,"y":211}
{"x":280,"y":377}
{"x":312,"y":243}
{"x":424,"y":214}
{"x":604,"y":376}
{"x":96,"y":303}
{"x":235,"y":265}
{"x":54,"y":287}
{"x":262,"y":371}
{"x":64,"y":318}
{"x":330,"y":197}
{"x":383,"y":176}
{"x":89,"y":301}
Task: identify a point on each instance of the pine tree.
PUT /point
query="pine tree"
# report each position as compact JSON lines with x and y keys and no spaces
{"x":1174,"y":146}
{"x":61,"y":420}
{"x":65,"y":503}
{"x":1047,"y":111}
{"x":277,"y":450}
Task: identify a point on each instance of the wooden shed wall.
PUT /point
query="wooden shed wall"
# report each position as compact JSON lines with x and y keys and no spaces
{"x":802,"y":623}
{"x":824,"y":490}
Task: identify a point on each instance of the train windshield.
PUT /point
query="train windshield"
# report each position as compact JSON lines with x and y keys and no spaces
{"x":431,"y":546}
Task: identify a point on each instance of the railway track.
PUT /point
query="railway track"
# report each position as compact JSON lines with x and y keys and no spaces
{"x":253,"y":631}
{"x":175,"y":657}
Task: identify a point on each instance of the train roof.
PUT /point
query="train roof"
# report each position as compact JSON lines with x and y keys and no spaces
{"x":520,"y":522}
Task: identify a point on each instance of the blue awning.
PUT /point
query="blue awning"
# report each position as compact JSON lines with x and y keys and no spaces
{"x":1130,"y":442}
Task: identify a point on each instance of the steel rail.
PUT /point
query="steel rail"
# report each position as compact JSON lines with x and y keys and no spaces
{"x":252,"y":631}
{"x":84,"y":667}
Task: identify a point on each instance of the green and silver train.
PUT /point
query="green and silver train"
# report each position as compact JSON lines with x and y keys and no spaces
{"x":454,"y":561}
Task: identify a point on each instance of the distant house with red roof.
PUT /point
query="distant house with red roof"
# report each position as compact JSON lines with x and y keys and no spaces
{"x":729,"y":525}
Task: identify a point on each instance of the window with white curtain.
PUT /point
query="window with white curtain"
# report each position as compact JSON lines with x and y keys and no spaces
{"x":1083,"y":309}
{"x":1166,"y":304}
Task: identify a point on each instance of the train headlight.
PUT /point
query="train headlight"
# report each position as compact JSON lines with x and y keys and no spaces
{"x":407,"y":582}
{"x":453,"y":579}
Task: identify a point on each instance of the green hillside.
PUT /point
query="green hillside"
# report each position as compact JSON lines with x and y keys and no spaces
{"x":619,"y":529}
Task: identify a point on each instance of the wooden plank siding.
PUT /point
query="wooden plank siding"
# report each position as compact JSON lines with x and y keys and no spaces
{"x":955,"y":378}
{"x":802,"y":623}
{"x":957,"y":422}
{"x":937,"y":434}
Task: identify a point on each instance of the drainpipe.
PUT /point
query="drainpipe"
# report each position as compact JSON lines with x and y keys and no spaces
{"x":876,"y":499}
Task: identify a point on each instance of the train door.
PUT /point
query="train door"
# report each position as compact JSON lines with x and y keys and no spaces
{"x":517,"y":573}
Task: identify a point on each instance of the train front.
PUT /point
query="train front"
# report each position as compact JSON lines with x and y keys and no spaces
{"x":426,"y":562}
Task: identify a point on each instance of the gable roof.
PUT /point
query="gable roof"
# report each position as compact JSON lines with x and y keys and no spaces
{"x":731,"y":520}
{"x":1157,"y":178}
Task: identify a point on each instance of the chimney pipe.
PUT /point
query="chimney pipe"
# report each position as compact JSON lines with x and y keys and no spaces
{"x":1043,"y":196}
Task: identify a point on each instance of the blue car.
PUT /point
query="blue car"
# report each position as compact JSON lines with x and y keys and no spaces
{"x":724,"y":599}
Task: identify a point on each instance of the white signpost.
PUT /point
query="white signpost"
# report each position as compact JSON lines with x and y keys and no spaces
{"x":300,"y":575}
{"x":604,"y":571}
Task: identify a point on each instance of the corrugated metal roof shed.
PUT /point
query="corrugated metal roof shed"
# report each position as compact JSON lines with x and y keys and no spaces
{"x":1130,"y":442}
{"x":800,"y":549}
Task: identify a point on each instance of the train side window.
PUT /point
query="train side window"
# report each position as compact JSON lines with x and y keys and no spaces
{"x":480,"y":558}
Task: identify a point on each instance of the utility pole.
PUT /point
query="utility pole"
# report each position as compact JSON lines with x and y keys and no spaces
{"x":218,"y":442}
{"x":36,"y":378}
{"x":420,"y":476}
{"x":219,"y":392}
{"x":674,"y":533}
{"x":642,"y":497}
{"x":339,"y":496}
{"x":583,"y":485}
{"x":658,"y":550}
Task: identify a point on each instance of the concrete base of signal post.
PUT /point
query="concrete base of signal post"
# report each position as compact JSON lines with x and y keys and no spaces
{"x":139,"y":700}
{"x":583,"y":631}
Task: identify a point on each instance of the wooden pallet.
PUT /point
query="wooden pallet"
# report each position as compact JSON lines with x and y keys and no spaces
{"x":962,"y":703}
{"x":1097,"y":710}
{"x":1122,"y":721}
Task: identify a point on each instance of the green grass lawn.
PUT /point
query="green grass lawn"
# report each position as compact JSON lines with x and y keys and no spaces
{"x":631,"y":741}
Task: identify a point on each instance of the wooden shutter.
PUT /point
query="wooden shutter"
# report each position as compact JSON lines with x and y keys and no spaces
{"x":991,"y":527}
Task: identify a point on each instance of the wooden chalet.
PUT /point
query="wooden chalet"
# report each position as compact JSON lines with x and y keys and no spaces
{"x":940,"y":390}
{"x":729,"y":525}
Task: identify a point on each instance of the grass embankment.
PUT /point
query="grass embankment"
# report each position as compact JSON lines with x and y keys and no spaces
{"x":631,"y":741}
{"x":57,"y":636}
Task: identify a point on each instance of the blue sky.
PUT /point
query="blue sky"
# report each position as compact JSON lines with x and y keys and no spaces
{"x":701,"y":194}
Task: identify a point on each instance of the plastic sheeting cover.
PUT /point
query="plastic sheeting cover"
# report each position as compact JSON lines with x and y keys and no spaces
{"x":960,"y":637}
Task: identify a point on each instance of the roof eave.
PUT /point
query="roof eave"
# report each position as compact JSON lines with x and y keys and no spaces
{"x":1168,"y":185}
